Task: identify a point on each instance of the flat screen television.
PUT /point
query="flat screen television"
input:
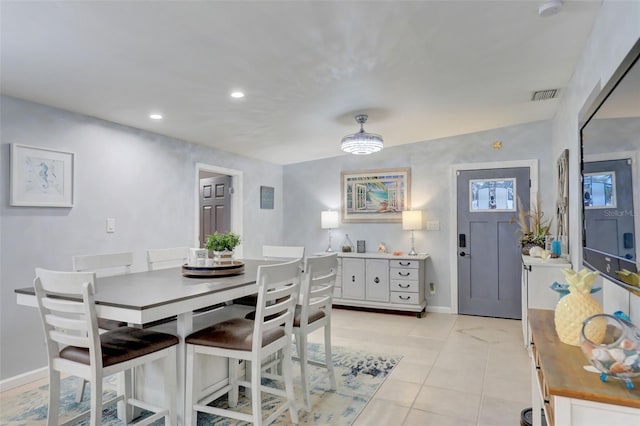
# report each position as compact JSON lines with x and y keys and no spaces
{"x":610,"y":140}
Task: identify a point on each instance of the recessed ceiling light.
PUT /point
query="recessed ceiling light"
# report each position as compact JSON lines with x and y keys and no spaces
{"x":237,"y":94}
{"x":155,"y":116}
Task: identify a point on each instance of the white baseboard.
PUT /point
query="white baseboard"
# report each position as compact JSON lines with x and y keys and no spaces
{"x":440,"y":309}
{"x":24,"y":378}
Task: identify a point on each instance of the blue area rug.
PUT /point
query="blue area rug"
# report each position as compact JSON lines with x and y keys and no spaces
{"x":358,"y":374}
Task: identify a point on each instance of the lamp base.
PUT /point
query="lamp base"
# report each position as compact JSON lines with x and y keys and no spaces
{"x":329,"y":250}
{"x":413,"y":252}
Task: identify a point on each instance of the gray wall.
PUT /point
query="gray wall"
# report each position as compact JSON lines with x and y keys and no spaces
{"x":313,"y":186}
{"x":615,"y":31}
{"x":143,"y":180}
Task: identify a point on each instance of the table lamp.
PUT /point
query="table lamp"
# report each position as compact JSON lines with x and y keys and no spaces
{"x":329,"y":219}
{"x":412,"y":221}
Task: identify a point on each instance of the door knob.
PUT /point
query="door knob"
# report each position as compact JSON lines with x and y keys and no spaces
{"x":463,"y":254}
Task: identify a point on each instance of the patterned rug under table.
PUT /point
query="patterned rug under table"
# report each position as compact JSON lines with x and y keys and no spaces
{"x":358,"y":374}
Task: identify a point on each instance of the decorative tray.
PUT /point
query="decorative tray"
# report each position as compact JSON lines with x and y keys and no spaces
{"x":235,"y":268}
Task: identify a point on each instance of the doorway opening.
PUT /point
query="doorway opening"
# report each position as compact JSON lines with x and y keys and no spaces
{"x":234,"y":196}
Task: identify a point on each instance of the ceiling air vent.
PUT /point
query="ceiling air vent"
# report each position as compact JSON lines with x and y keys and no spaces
{"x":543,"y":95}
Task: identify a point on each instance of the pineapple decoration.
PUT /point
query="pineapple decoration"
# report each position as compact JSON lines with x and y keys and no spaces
{"x":577,"y":306}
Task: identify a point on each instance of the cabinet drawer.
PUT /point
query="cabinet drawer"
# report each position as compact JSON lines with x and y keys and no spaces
{"x":405,"y":298}
{"x":404,"y":274}
{"x":405,"y":286}
{"x":411,"y":264}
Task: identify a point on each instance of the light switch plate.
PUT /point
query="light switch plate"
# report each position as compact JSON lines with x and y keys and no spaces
{"x":433,"y":225}
{"x":111,"y":225}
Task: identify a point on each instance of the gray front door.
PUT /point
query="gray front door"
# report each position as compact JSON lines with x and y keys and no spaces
{"x":608,"y":207}
{"x":215,"y":206}
{"x":489,"y":263}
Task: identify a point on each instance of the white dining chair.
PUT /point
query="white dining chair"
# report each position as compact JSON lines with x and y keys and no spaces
{"x":279,"y":253}
{"x":253,"y":341}
{"x":282,"y":252}
{"x":167,"y":257}
{"x":312,"y":313}
{"x":103,"y":265}
{"x":75,"y":346}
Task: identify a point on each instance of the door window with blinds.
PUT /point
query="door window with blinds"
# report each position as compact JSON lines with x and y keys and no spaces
{"x":599,"y":190}
{"x":492,"y":195}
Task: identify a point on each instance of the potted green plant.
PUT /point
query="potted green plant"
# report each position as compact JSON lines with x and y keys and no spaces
{"x":221,"y":246}
{"x":534,"y":227}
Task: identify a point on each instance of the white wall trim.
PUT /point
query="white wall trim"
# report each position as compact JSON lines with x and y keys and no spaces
{"x":237,"y":201}
{"x":24,"y":378}
{"x":440,"y":309}
{"x":453,"y":203}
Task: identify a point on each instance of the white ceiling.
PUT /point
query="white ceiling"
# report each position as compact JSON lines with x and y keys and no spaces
{"x":420,"y":69}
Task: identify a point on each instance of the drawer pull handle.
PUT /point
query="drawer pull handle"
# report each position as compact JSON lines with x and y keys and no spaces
{"x":404,"y":264}
{"x":405,"y":297}
{"x":353,"y":278}
{"x":404,"y":285}
{"x":404,"y":274}
{"x":376,"y":280}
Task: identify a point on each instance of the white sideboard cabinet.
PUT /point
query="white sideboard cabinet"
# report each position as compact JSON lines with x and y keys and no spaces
{"x":537,"y":276}
{"x":382,"y":281}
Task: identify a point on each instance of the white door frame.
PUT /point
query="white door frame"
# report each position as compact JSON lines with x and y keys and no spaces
{"x":453,"y":206}
{"x":236,"y":201}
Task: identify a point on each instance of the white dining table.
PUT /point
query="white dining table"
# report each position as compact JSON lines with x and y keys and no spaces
{"x":145,"y":297}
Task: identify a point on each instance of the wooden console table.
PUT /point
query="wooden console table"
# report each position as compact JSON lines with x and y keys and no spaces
{"x":569,"y":394}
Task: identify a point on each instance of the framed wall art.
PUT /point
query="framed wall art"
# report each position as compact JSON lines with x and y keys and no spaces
{"x":266,"y":197}
{"x":375,"y":195}
{"x":41,"y":177}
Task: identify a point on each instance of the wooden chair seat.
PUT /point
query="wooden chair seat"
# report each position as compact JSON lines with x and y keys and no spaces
{"x":122,"y":344}
{"x":236,"y":333}
{"x":107,"y":324}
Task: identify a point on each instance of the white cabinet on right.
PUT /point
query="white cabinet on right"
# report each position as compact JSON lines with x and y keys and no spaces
{"x":537,"y":276}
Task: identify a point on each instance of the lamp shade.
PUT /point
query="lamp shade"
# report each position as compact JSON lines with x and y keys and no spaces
{"x":411,"y":220}
{"x":329,"y":219}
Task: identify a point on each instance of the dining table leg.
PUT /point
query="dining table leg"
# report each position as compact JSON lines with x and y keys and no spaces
{"x":184,"y":328}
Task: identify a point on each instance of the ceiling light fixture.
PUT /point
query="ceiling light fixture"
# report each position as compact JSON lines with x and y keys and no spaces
{"x":237,"y":94}
{"x":549,"y":8}
{"x":155,"y":116}
{"x":362,"y":143}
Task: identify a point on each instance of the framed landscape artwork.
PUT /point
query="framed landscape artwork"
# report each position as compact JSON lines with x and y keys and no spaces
{"x":41,"y":177}
{"x":375,"y":195}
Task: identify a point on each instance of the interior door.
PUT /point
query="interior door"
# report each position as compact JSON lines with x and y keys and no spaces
{"x":489,"y":263}
{"x":215,"y":206}
{"x":608,"y":207}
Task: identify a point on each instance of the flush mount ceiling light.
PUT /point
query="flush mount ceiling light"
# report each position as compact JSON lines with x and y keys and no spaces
{"x":362,"y":143}
{"x":155,"y":116}
{"x":549,"y":8}
{"x":237,"y":94}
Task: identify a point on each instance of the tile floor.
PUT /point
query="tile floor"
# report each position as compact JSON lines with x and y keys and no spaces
{"x":455,"y":370}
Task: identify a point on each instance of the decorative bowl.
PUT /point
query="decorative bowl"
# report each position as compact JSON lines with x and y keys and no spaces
{"x":612,"y":346}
